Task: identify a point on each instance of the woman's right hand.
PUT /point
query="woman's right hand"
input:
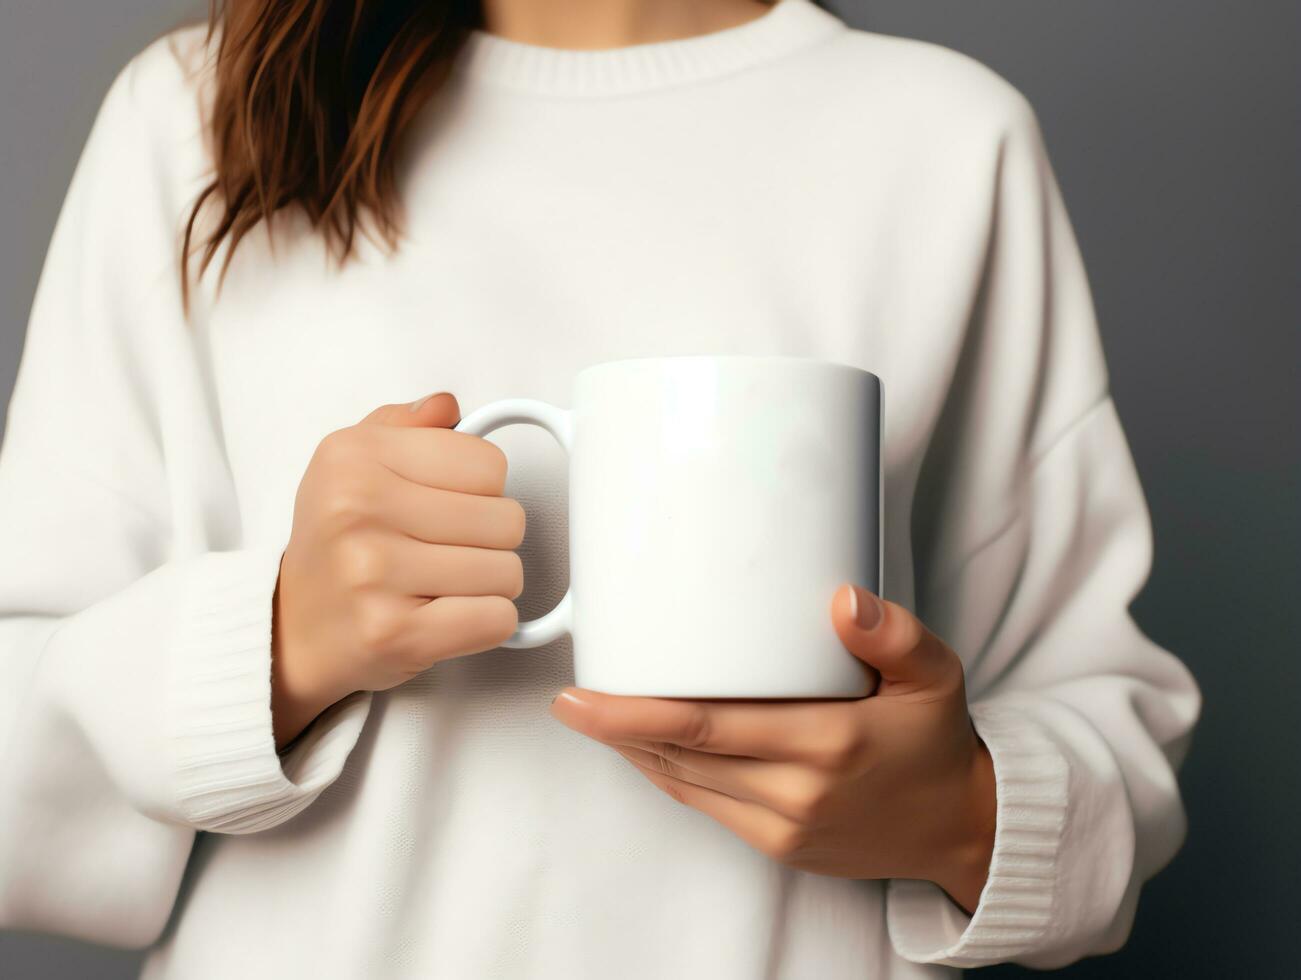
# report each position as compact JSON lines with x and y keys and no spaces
{"x":401,"y":555}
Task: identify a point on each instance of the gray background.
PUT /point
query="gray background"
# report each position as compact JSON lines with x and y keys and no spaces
{"x":1173,"y":125}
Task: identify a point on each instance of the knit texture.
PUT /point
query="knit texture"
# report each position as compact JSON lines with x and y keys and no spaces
{"x":229,"y":777}
{"x":1017,"y":905}
{"x":787,"y":186}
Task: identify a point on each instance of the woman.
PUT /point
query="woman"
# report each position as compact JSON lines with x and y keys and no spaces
{"x":255,"y":583}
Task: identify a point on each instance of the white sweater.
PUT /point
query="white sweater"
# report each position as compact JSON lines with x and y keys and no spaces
{"x":786,"y":186}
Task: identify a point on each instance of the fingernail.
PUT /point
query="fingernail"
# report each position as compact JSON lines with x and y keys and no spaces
{"x":415,"y":405}
{"x":865,"y":607}
{"x":571,"y":698}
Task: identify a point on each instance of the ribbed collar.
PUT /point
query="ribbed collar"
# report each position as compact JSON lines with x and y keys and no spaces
{"x":788,"y":26}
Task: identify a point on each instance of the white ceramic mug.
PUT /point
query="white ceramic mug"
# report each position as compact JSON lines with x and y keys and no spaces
{"x":715,"y":504}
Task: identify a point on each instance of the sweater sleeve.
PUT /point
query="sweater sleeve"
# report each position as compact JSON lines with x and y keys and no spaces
{"x":135,"y":619}
{"x":1032,"y":538}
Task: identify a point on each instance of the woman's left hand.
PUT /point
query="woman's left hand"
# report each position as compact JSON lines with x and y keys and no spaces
{"x":894,"y":785}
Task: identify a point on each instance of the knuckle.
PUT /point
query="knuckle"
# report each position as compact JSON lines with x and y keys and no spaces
{"x":514,"y":574}
{"x":338,"y":447}
{"x":669,"y":751}
{"x":500,"y":619}
{"x":952,"y":664}
{"x":696,"y":728}
{"x":904,"y":634}
{"x":514,"y":521}
{"x":349,"y":503}
{"x":842,"y":749}
{"x":951,"y":680}
{"x":479,"y":623}
{"x":601,"y":730}
{"x":377,"y":628}
{"x":496,"y":466}
{"x":786,"y":843}
{"x":361,"y":563}
{"x":804,"y":804}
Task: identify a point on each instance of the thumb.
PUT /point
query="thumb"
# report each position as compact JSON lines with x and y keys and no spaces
{"x":889,"y":638}
{"x":439,"y":410}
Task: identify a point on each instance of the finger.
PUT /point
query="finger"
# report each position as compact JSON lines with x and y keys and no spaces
{"x":443,"y":458}
{"x":788,"y":788}
{"x":765,"y":830}
{"x":411,"y":567}
{"x":440,"y":516}
{"x":818,"y":733}
{"x":889,"y":638}
{"x":454,"y":626}
{"x":439,"y":409}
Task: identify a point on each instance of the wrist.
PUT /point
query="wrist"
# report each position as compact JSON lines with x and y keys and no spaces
{"x":297,"y":693}
{"x":965,"y":867}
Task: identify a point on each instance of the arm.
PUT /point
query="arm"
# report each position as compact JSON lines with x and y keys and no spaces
{"x":1043,"y":806}
{"x":135,"y":622}
{"x":1033,"y":539}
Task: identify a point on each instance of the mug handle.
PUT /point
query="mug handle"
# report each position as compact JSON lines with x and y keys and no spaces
{"x":510,"y":411}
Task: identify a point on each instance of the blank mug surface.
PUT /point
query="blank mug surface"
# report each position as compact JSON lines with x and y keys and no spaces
{"x":715,"y":505}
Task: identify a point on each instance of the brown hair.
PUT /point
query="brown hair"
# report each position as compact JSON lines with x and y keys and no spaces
{"x":311,"y":98}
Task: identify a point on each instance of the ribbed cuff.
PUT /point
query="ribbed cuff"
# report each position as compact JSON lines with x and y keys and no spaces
{"x":1015,"y":910}
{"x":228,"y":775}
